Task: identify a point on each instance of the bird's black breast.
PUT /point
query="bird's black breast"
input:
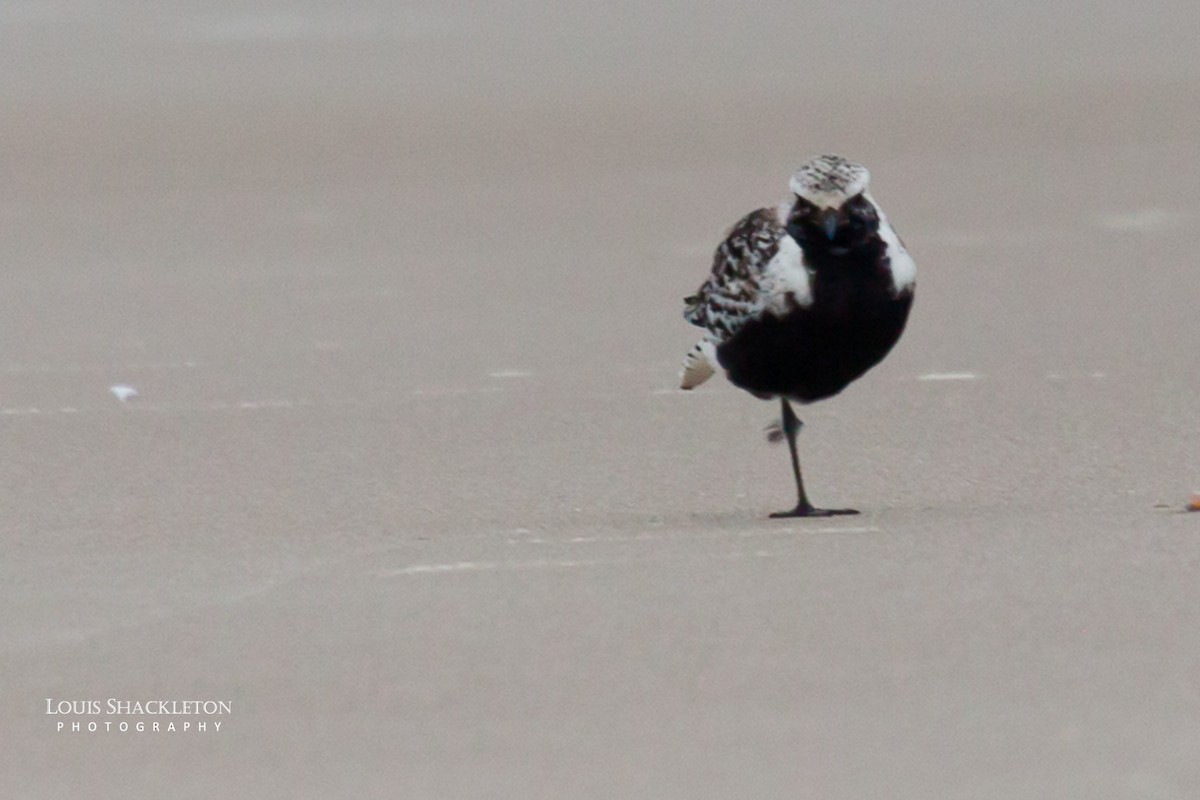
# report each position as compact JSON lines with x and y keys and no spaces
{"x":815,"y":351}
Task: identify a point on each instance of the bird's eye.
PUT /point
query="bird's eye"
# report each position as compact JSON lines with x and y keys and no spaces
{"x":803,"y":209}
{"x":859,"y":209}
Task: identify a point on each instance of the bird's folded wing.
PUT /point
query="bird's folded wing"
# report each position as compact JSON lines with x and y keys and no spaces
{"x":734,"y":292}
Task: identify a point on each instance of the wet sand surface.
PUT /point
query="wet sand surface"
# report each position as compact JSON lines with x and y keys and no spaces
{"x":406,"y":480}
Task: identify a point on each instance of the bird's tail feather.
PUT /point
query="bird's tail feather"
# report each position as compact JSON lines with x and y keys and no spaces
{"x":698,"y":365}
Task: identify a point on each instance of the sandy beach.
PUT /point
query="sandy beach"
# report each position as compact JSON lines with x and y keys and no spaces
{"x":406,"y":481}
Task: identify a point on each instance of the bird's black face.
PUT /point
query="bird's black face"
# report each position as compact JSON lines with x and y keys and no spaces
{"x":833,"y":230}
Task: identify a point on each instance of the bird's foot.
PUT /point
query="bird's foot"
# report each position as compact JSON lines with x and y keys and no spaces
{"x":806,"y":510}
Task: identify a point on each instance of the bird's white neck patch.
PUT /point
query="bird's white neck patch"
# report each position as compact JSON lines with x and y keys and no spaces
{"x":904,"y":269}
{"x":786,"y":279}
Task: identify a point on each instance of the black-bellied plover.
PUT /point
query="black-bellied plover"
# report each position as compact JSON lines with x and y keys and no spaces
{"x":803,"y":298}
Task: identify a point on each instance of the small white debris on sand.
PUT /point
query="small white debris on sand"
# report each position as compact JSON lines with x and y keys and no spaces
{"x":948,"y":376}
{"x":123,"y":392}
{"x":1146,"y":219}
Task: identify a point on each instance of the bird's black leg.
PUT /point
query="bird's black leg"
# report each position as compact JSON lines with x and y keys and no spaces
{"x":791,"y":427}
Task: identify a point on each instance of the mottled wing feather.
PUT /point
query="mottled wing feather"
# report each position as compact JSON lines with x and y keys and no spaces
{"x":733,"y":292}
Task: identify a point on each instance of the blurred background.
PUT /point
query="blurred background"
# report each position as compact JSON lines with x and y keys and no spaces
{"x":216,"y":175}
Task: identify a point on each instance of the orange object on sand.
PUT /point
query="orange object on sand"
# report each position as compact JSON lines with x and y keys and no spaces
{"x":1194,"y":503}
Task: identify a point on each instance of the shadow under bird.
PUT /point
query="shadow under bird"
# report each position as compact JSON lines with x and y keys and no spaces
{"x":803,"y":299}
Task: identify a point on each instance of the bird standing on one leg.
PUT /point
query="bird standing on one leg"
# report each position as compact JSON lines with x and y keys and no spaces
{"x":803,"y":298}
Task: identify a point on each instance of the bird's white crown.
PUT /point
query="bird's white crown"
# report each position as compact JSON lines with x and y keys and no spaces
{"x":829,"y":181}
